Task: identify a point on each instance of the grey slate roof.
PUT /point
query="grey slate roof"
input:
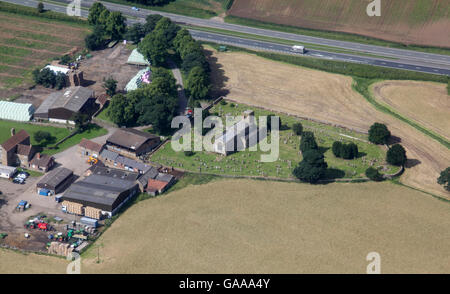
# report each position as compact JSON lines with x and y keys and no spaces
{"x":164,"y":177}
{"x":130,"y":138}
{"x":55,"y":177}
{"x":110,"y":155}
{"x":72,"y":98}
{"x":114,"y":173}
{"x":150,"y":174}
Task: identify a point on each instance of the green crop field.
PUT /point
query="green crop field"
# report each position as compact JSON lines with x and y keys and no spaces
{"x":247,"y":163}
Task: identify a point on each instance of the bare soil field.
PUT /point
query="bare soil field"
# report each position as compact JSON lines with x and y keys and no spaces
{"x":244,"y":226}
{"x":426,"y":103}
{"x":327,"y":97}
{"x":423,"y":22}
{"x":28,"y":42}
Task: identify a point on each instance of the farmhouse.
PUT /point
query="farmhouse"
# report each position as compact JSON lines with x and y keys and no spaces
{"x":16,"y":111}
{"x":56,"y":181}
{"x":14,"y":149}
{"x":7,"y":172}
{"x":61,"y":106}
{"x":98,"y":195}
{"x":90,"y":148}
{"x":42,"y":162}
{"x":132,"y":143}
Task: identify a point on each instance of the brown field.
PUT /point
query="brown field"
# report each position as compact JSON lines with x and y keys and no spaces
{"x":426,"y":103}
{"x":327,"y":97}
{"x":424,"y":22}
{"x":243,"y":226}
{"x":28,"y":42}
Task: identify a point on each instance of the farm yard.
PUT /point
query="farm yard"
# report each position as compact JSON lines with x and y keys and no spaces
{"x":421,"y":22}
{"x":256,"y":81}
{"x":278,"y":228}
{"x":247,"y":163}
{"x":426,"y":103}
{"x":27,"y":42}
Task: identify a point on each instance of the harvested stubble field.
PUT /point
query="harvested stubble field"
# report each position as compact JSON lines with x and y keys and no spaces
{"x":326,"y":97}
{"x":422,"y":22}
{"x":244,"y":226}
{"x":27,"y":42}
{"x":426,"y":103}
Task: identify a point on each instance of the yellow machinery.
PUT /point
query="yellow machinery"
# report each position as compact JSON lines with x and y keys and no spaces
{"x":92,"y":160}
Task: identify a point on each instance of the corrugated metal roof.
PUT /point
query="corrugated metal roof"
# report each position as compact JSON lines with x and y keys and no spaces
{"x":137,"y":58}
{"x":16,"y":111}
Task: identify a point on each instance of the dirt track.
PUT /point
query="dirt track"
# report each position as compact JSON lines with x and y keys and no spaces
{"x":405,"y":21}
{"x":327,"y":97}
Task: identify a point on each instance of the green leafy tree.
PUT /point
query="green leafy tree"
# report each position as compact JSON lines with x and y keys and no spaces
{"x":337,"y":148}
{"x":168,"y":29}
{"x":134,"y":33}
{"x":444,"y":179}
{"x":95,"y":41}
{"x":198,"y":83}
{"x":308,"y":142}
{"x":154,"y":47}
{"x":60,"y":80}
{"x":121,"y":110}
{"x":110,"y":85}
{"x":41,"y":136}
{"x":150,"y":22}
{"x":45,"y":77}
{"x":94,"y":13}
{"x":40,"y":7}
{"x":312,"y":168}
{"x":374,"y":175}
{"x":195,"y":59}
{"x":379,"y":133}
{"x":81,"y":121}
{"x":297,"y":128}
{"x":116,"y":25}
{"x":65,"y":59}
{"x":182,"y":36}
{"x":396,"y":155}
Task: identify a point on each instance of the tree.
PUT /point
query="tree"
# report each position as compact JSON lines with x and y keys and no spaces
{"x":194,"y":59}
{"x":65,"y":59}
{"x":81,"y":121}
{"x":308,"y":142}
{"x":396,"y":155}
{"x":94,"y":13}
{"x":374,"y":175}
{"x":45,"y":77}
{"x":40,"y":136}
{"x":297,"y":128}
{"x":379,"y":133}
{"x":40,"y":7}
{"x":154,"y":48}
{"x":151,"y":21}
{"x":168,"y":29}
{"x":60,"y":80}
{"x":110,"y":85}
{"x":135,"y":33}
{"x":121,"y":110}
{"x":115,"y":25}
{"x":444,"y":179}
{"x":198,"y":83}
{"x":337,"y":148}
{"x":312,"y":168}
{"x":95,"y":41}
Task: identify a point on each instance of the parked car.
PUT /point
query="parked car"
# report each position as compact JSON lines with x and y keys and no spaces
{"x":135,"y":8}
{"x":23,"y":175}
{"x":17,"y":180}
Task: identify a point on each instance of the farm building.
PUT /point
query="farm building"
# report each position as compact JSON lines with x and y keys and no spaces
{"x":97,"y":196}
{"x":90,"y":148}
{"x":161,"y":183}
{"x":137,"y":58}
{"x":114,"y":159}
{"x":14,"y":149}
{"x":113,"y":173}
{"x":132,"y":143}
{"x":42,"y":162}
{"x":143,"y":76}
{"x":16,"y":111}
{"x":56,"y":181}
{"x":60,"y":106}
{"x":7,"y":172}
{"x":152,"y":173}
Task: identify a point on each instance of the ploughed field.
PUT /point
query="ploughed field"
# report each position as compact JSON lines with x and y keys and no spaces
{"x":28,"y":42}
{"x":423,"y":22}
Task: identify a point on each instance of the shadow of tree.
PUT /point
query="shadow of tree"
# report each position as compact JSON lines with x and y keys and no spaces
{"x":412,"y":163}
{"x":218,"y":78}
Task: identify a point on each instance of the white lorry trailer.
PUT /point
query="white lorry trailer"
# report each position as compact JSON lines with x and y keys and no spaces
{"x":299,"y":49}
